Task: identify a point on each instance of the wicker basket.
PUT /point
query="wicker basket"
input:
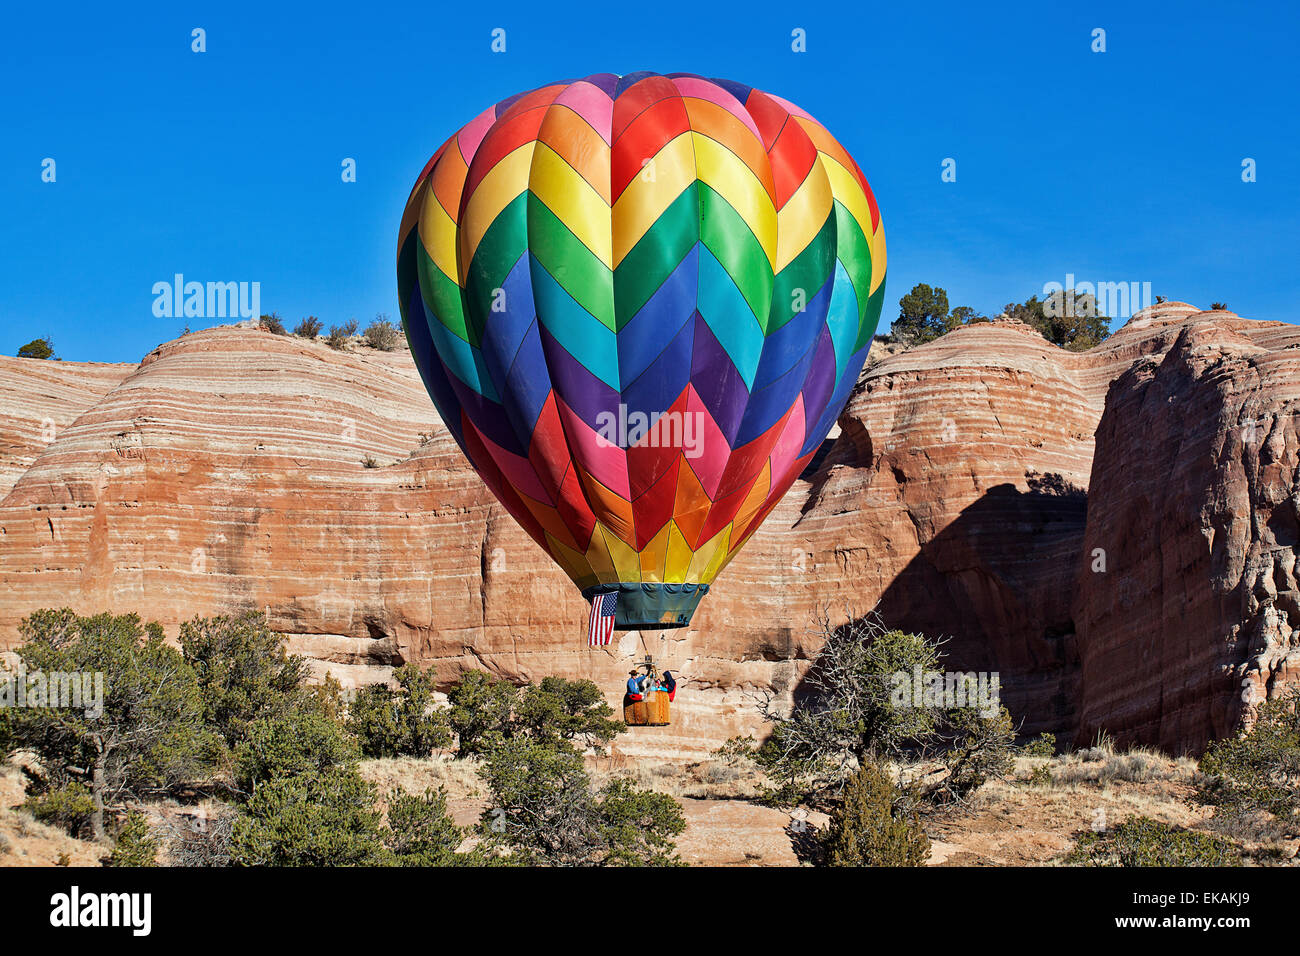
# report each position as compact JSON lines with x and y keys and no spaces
{"x":656,"y":708}
{"x":634,"y":714}
{"x":651,"y":712}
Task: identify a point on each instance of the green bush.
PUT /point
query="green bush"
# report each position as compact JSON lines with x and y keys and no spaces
{"x":135,"y":846}
{"x":402,"y":722}
{"x":481,"y":710}
{"x":560,"y":709}
{"x":420,"y":830}
{"x":324,"y":818}
{"x":70,"y":807}
{"x":243,"y":671}
{"x":301,"y":742}
{"x":923,"y":316}
{"x":7,"y":744}
{"x":1068,"y":318}
{"x":485,"y":712}
{"x":38,"y":349}
{"x":1040,"y":776}
{"x":867,"y":828}
{"x":1044,"y":745}
{"x":272,"y":324}
{"x":150,"y":736}
{"x":1141,"y":841}
{"x":1259,"y":771}
{"x":637,"y":827}
{"x":543,"y":811}
{"x":856,"y":705}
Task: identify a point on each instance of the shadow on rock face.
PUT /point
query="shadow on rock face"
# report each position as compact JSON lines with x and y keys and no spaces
{"x":996,"y":585}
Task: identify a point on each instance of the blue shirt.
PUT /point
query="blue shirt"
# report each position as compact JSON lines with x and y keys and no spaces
{"x":634,"y":685}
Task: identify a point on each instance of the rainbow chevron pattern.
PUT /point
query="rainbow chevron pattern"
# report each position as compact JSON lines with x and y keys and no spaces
{"x":658,"y":244}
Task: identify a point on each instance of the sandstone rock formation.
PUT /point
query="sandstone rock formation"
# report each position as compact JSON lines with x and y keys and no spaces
{"x":1187,"y":604}
{"x":41,"y":398}
{"x":235,"y":469}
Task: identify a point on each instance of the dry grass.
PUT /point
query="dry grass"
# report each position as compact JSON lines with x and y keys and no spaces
{"x":466,"y":795}
{"x":1099,"y":766}
{"x":709,"y":779}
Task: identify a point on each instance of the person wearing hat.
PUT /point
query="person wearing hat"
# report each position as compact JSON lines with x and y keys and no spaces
{"x":635,"y":687}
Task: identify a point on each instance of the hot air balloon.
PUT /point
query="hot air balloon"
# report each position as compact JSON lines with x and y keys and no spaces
{"x":639,"y":304}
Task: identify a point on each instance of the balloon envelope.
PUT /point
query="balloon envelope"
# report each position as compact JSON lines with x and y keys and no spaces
{"x":639,"y":304}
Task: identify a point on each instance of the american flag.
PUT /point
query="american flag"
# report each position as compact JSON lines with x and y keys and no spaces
{"x":601,"y":628}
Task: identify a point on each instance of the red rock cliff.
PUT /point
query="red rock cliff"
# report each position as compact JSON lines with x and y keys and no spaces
{"x":236,"y":469}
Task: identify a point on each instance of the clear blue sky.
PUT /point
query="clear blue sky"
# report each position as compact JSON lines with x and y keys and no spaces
{"x":1119,"y":166}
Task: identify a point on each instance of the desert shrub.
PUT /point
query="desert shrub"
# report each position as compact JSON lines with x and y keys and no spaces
{"x":975,"y":749}
{"x":845,"y":713}
{"x":309,"y":327}
{"x":1218,"y":307}
{"x":135,"y":845}
{"x":543,"y":811}
{"x":1254,"y":826}
{"x":420,"y":830}
{"x":340,"y":334}
{"x":204,"y":841}
{"x":561,"y":709}
{"x":401,"y":722}
{"x":638,"y":827}
{"x":1044,"y":745}
{"x":42,"y":348}
{"x":150,"y":736}
{"x":1258,"y":771}
{"x":486,"y":711}
{"x":70,"y":807}
{"x":1039,"y":776}
{"x":382,"y":334}
{"x":480,"y":714}
{"x":1141,"y":841}
{"x":273,"y":324}
{"x":326,"y":697}
{"x":869,"y":828}
{"x":856,"y":705}
{"x":1067,"y":318}
{"x":325,"y":818}
{"x":243,"y":670}
{"x":302,"y":741}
